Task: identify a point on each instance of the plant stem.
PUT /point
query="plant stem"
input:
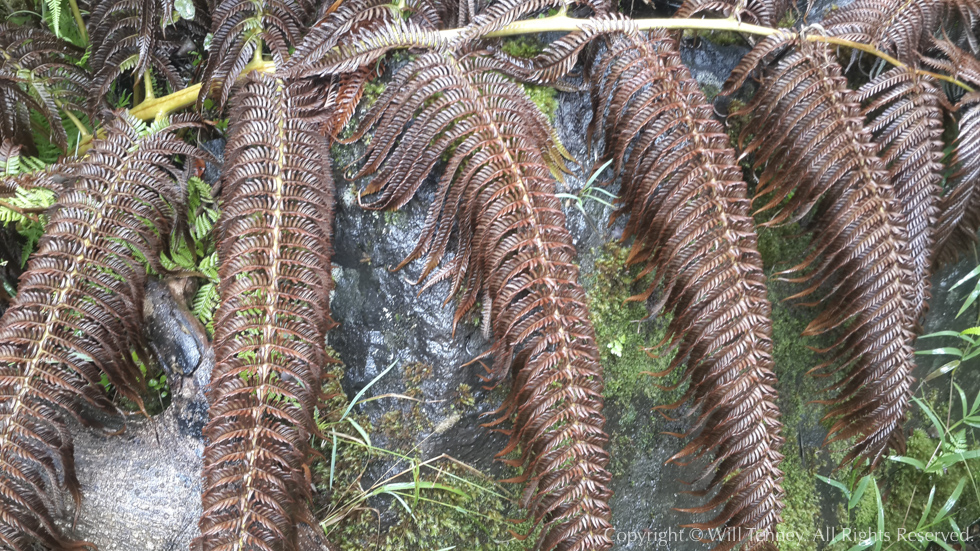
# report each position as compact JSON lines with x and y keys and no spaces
{"x":563,"y":23}
{"x":79,"y":21}
{"x":148,"y":86}
{"x":874,"y":51}
{"x":78,"y":124}
{"x":150,"y":109}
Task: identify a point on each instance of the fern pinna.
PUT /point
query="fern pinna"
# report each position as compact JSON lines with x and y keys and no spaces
{"x":274,"y":250}
{"x":688,"y":212}
{"x":495,"y":206}
{"x":38,"y":72}
{"x":760,"y":12}
{"x":77,"y":317}
{"x":239,"y":29}
{"x":959,"y":218}
{"x":896,"y":27}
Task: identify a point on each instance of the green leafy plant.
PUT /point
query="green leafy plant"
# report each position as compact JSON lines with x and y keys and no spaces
{"x":853,"y":491}
{"x":199,"y":257}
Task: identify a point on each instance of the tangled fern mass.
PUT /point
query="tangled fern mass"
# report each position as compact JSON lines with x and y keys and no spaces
{"x":864,"y":129}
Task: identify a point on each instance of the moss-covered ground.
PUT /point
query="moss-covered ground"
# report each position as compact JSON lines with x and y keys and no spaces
{"x":356,"y":485}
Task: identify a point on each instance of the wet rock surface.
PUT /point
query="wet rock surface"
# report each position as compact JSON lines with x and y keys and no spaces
{"x":142,"y":487}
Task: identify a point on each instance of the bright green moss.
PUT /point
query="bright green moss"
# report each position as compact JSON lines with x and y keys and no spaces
{"x":372,"y":91}
{"x":723,"y":38}
{"x":621,"y":336}
{"x":801,"y":516}
{"x":780,"y":248}
{"x":788,"y":21}
{"x":544,"y":98}
{"x":734,"y":122}
{"x":525,"y":46}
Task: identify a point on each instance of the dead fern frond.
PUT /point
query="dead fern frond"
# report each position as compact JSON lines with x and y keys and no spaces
{"x":758,"y":12}
{"x":965,"y":14}
{"x":274,"y":247}
{"x":496,"y":207}
{"x":350,"y":22}
{"x":343,"y":94}
{"x":133,"y":35}
{"x":810,"y":136}
{"x":897,"y":27}
{"x":365,"y":46}
{"x":77,"y":317}
{"x":959,"y":208}
{"x":959,"y":218}
{"x":238,"y":28}
{"x":904,"y":111}
{"x":560,"y":56}
{"x":688,"y":211}
{"x":37,"y":72}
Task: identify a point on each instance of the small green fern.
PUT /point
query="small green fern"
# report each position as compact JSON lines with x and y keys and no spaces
{"x":18,"y":208}
{"x":200,"y":257}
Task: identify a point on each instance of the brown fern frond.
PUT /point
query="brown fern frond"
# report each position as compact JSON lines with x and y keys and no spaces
{"x":77,"y":317}
{"x":238,"y":28}
{"x":897,"y":27}
{"x":500,"y":13}
{"x":133,"y":35}
{"x":966,"y":15}
{"x":959,"y":208}
{"x":810,"y":136}
{"x":758,"y":12}
{"x":344,"y":93}
{"x":904,"y":113}
{"x":352,"y":18}
{"x":560,"y":56}
{"x":274,"y":247}
{"x":946,"y":57}
{"x":496,"y":207}
{"x":37,"y":71}
{"x":365,"y":46}
{"x":688,"y":212}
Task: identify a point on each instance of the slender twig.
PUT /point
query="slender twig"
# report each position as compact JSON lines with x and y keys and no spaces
{"x":19,"y":211}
